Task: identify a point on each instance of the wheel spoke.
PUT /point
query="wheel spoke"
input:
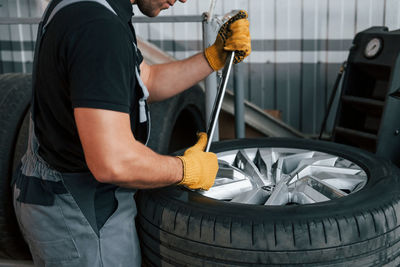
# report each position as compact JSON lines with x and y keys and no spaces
{"x":255,"y":196}
{"x":288,"y":164}
{"x":316,"y":170}
{"x":348,"y":182}
{"x":263,"y":162}
{"x":228,"y":190}
{"x":243,"y":162}
{"x":328,"y":191}
{"x":326,"y":160}
{"x":307,"y":195}
{"x":228,"y":156}
{"x":280,"y":195}
{"x":227,"y":171}
{"x":342,"y":178}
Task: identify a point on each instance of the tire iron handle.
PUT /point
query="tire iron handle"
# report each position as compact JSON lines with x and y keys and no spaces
{"x":219,"y":98}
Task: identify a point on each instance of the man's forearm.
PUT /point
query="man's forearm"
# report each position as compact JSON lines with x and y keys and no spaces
{"x":144,"y":169}
{"x":114,"y":156}
{"x":166,"y":80}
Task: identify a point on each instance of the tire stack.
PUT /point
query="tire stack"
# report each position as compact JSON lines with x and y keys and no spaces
{"x":15,"y":95}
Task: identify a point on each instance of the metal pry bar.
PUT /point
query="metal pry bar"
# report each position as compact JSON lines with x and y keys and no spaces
{"x":219,"y":98}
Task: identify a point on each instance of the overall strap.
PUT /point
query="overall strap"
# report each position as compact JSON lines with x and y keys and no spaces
{"x":42,"y":29}
{"x":65,"y":3}
{"x":143,"y":114}
{"x":33,"y":144}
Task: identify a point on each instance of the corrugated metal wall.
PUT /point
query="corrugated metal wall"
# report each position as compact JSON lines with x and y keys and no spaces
{"x":298,"y":45}
{"x":17,"y":41}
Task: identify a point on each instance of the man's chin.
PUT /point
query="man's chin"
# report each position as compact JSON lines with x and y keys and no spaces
{"x":151,"y":13}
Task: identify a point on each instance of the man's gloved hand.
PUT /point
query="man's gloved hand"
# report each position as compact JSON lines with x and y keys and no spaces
{"x":199,"y":167}
{"x":234,"y":35}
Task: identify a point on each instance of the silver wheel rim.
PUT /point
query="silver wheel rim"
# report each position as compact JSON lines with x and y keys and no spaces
{"x":284,"y":176}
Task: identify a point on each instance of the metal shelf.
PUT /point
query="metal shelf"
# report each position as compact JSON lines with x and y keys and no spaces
{"x":354,"y":133}
{"x":363,"y":101}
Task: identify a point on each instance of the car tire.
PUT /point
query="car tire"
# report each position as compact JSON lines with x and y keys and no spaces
{"x":180,"y":227}
{"x":15,"y":95}
{"x":176,"y":121}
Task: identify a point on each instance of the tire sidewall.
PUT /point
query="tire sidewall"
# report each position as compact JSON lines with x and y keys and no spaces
{"x":14,"y":105}
{"x":165,"y":114}
{"x":381,"y":189}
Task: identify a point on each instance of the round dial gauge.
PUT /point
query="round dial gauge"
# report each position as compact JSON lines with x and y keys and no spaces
{"x":373,"y":47}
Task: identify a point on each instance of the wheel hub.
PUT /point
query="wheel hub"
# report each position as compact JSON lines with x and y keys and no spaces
{"x":284,"y":176}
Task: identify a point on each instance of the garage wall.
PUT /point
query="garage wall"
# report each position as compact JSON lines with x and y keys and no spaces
{"x":298,"y":45}
{"x":17,"y":41}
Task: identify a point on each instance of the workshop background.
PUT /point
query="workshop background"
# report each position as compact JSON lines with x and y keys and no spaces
{"x":298,"y":46}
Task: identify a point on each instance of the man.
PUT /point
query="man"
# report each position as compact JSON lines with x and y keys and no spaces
{"x":73,"y":194}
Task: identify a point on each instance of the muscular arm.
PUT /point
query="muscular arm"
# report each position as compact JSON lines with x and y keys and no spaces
{"x":114,"y":156}
{"x":169,"y":79}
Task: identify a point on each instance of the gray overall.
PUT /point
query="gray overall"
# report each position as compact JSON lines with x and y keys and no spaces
{"x":60,"y":231}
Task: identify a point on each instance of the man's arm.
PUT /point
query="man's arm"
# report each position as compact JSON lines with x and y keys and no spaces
{"x":166,"y":80}
{"x":169,"y":79}
{"x":114,"y":156}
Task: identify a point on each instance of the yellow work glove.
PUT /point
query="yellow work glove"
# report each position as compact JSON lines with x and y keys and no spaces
{"x":234,"y":35}
{"x":199,"y":167}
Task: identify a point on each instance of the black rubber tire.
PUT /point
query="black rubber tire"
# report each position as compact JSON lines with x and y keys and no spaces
{"x":15,"y":95}
{"x":176,"y":121}
{"x":178,"y":227}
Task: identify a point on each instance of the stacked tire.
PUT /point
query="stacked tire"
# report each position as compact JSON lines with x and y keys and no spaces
{"x":15,"y":95}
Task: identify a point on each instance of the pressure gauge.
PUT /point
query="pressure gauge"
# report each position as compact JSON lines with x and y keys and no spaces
{"x":373,"y":47}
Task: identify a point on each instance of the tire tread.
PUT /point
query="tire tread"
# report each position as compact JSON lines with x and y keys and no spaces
{"x":342,"y":236}
{"x":15,"y":95}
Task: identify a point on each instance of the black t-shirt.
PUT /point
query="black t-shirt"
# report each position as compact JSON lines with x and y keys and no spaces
{"x":87,"y":59}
